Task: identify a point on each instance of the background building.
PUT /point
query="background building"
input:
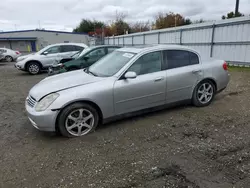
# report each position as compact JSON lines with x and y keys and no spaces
{"x":34,"y":40}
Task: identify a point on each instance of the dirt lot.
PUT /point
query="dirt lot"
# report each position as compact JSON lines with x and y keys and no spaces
{"x":181,"y":147}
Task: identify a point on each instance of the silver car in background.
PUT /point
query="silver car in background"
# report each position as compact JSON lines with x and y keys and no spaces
{"x":126,"y":81}
{"x":9,"y":55}
{"x":41,"y":60}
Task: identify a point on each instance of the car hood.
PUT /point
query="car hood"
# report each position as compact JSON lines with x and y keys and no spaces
{"x":61,"y":82}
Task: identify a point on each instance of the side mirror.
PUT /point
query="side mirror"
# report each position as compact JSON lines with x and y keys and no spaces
{"x":45,"y":53}
{"x":130,"y":75}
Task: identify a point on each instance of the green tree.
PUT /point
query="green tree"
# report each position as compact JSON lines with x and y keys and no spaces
{"x":87,"y":26}
{"x":166,"y":20}
{"x":232,"y":15}
{"x":119,"y":25}
{"x":139,"y":26}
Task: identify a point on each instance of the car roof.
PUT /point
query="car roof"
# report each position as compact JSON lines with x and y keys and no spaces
{"x":62,"y":44}
{"x":145,"y":48}
{"x":104,"y":46}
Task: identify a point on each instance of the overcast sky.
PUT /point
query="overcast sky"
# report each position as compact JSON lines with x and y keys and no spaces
{"x":66,"y":14}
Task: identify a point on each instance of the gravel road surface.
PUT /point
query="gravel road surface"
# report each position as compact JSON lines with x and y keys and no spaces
{"x":182,"y":147}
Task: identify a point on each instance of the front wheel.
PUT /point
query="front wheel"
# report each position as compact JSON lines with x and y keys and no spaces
{"x":33,"y":68}
{"x":77,"y":120}
{"x":203,"y":93}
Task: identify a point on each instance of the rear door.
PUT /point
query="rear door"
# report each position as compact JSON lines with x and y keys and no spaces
{"x":68,"y":50}
{"x":184,"y":71}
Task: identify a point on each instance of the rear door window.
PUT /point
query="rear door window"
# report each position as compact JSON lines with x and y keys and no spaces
{"x":79,"y":48}
{"x":68,"y":48}
{"x":180,"y":58}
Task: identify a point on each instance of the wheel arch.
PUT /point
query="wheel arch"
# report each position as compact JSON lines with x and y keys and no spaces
{"x":93,"y":104}
{"x":208,"y":79}
{"x":30,"y":61}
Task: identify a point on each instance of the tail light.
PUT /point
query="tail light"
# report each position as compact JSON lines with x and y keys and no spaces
{"x":17,"y":52}
{"x":225,"y":66}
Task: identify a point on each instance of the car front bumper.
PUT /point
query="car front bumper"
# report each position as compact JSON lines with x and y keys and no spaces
{"x":19,"y":67}
{"x":44,"y":121}
{"x":55,"y":70}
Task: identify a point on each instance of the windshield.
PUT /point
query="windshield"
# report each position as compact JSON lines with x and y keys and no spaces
{"x":76,"y":54}
{"x":86,"y":50}
{"x":111,"y":64}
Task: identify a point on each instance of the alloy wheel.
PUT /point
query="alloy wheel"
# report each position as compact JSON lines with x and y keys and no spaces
{"x":33,"y":69}
{"x":79,"y":122}
{"x":205,"y":93}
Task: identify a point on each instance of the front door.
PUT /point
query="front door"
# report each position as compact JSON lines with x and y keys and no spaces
{"x":144,"y":91}
{"x":183,"y":73}
{"x":49,"y":56}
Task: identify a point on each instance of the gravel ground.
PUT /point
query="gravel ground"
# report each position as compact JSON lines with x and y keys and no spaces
{"x":181,"y":147}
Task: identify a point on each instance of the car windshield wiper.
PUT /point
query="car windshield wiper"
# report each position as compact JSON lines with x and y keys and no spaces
{"x":89,"y":72}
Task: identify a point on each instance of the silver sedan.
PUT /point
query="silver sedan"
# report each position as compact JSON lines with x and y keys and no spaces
{"x":126,"y":81}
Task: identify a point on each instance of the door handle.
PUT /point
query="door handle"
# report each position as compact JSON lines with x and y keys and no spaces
{"x":159,"y":79}
{"x":196,"y":71}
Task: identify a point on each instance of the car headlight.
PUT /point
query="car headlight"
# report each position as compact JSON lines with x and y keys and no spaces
{"x":21,"y":58}
{"x":46,"y":102}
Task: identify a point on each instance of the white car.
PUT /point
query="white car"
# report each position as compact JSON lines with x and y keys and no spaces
{"x":8,"y":54}
{"x":43,"y":59}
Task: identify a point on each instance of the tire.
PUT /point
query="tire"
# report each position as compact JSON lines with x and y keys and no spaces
{"x":71,"y":124}
{"x":203,"y":93}
{"x":33,"y":68}
{"x":8,"y":58}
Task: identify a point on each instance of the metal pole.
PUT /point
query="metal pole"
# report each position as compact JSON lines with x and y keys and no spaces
{"x":212,"y":41}
{"x":143,"y":39}
{"x":181,"y":37}
{"x":237,"y":7}
{"x":123,"y":41}
{"x":159,"y":38}
{"x":132,"y":40}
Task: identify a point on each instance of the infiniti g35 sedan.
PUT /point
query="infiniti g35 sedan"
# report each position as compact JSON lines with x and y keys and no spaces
{"x":126,"y":81}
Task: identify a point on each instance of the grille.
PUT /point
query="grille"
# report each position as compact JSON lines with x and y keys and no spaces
{"x":31,"y":101}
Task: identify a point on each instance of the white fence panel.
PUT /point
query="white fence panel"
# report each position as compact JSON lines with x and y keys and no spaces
{"x":151,"y":39}
{"x":138,"y":40}
{"x":225,"y":39}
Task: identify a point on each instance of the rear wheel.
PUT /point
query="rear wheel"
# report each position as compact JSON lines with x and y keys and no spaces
{"x":33,"y":68}
{"x":203,"y":94}
{"x":9,"y":58}
{"x":77,"y":120}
